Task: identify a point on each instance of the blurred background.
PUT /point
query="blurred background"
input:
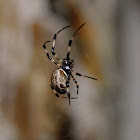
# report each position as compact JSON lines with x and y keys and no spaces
{"x":106,"y":47}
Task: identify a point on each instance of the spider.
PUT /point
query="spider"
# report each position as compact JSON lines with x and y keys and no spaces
{"x":60,"y":78}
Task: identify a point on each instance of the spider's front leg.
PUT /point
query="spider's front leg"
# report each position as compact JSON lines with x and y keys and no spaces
{"x":78,"y":74}
{"x":70,"y":42}
{"x":45,"y":49}
{"x":75,"y":83}
{"x":54,"y":40}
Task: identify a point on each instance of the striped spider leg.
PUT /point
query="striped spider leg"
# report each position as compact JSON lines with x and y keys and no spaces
{"x":50,"y":58}
{"x":54,"y":40}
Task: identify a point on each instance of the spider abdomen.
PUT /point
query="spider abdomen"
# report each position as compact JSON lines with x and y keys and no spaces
{"x":58,"y":81}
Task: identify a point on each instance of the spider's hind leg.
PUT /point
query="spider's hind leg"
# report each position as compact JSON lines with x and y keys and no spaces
{"x":68,"y":93}
{"x":56,"y":94}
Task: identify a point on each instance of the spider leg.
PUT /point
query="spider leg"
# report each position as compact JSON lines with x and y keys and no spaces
{"x":68,"y":93}
{"x":78,"y":74}
{"x":70,"y":98}
{"x":52,"y":60}
{"x":57,"y":95}
{"x":75,"y":83}
{"x":54,"y":40}
{"x":70,"y":42}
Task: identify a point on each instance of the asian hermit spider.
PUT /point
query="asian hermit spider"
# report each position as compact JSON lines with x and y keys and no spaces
{"x":61,"y":76}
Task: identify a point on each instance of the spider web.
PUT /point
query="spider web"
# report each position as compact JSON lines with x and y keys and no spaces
{"x":77,"y":121}
{"x":78,"y":115}
{"x":64,"y":123}
{"x":78,"y":112}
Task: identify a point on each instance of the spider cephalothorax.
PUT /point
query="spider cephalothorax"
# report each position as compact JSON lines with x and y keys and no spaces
{"x":61,"y":77}
{"x":67,"y":64}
